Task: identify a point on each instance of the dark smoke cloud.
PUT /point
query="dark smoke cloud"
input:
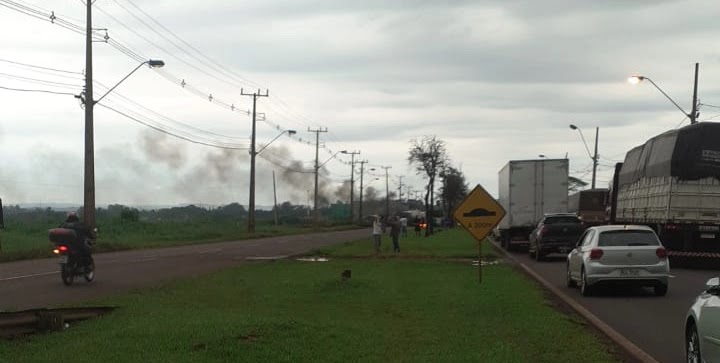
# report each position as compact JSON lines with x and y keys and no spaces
{"x":158,"y":147}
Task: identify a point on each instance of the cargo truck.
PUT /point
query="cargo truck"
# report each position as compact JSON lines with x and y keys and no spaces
{"x":671,"y":183}
{"x":529,"y":189}
{"x":589,"y":205}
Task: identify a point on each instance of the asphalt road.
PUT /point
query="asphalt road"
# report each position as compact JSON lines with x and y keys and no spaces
{"x":655,"y":324}
{"x":36,"y":283}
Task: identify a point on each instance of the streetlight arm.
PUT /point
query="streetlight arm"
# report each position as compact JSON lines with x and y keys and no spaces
{"x":585,"y":143}
{"x":271,"y":141}
{"x":326,"y":161}
{"x":668,"y":97}
{"x":121,"y":81}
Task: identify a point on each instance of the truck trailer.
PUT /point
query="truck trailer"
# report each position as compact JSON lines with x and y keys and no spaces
{"x":589,"y":205}
{"x":671,"y":183}
{"x":529,"y":189}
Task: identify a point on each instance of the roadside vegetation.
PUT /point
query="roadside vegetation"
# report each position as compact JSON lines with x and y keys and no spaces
{"x":120,"y":228}
{"x":390,"y":309}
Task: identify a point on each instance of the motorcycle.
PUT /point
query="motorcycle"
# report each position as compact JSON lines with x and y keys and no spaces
{"x":72,"y":262}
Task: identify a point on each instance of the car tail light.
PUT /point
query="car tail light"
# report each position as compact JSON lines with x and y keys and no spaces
{"x":661,"y":252}
{"x":544,"y":231}
{"x":596,"y":254}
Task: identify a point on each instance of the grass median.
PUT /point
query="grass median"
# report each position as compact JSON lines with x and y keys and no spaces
{"x":391,"y":309}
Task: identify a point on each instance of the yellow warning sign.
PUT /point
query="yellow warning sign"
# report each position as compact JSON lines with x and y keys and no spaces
{"x":479,"y":213}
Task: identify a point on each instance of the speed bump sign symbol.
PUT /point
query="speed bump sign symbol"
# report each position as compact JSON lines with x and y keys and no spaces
{"x":479,"y":213}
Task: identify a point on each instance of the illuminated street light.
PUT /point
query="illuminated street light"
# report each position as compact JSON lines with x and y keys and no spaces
{"x":636,"y":79}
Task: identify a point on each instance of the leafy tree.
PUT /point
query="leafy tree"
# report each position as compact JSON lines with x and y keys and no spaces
{"x":453,"y":190}
{"x":129,"y":215}
{"x":429,"y":156}
{"x":575,"y":184}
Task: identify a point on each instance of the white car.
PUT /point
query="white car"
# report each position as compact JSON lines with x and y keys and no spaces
{"x":618,"y":254}
{"x":702,"y":325}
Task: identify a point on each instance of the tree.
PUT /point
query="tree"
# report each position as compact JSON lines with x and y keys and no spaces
{"x":574,"y":184}
{"x":429,"y":157}
{"x":453,"y":189}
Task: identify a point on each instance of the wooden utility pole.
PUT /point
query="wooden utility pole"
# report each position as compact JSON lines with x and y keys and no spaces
{"x":275,"y":209}
{"x":362,"y":173}
{"x":251,"y":204}
{"x":352,"y":183}
{"x":387,"y":193}
{"x":89,"y":103}
{"x":317,"y":168}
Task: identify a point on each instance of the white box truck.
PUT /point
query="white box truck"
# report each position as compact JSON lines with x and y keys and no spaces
{"x":528,"y":189}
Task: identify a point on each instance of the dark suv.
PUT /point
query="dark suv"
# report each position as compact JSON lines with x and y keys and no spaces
{"x":555,"y":233}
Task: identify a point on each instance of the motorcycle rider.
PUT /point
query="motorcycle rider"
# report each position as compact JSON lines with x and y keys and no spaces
{"x":85,"y":235}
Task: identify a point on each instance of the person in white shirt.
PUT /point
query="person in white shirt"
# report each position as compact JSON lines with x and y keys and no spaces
{"x":377,"y":233}
{"x":403,"y":226}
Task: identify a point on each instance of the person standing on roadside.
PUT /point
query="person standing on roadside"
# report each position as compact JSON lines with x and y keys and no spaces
{"x":403,"y":226}
{"x":377,"y":233}
{"x":395,"y":233}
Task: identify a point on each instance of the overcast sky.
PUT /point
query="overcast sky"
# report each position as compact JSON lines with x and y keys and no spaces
{"x":495,"y":80}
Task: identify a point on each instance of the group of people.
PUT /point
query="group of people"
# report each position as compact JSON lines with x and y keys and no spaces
{"x":398,"y":227}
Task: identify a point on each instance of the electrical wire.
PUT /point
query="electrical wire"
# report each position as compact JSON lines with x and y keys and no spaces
{"x":39,"y":67}
{"x":36,"y":90}
{"x":168,"y":132}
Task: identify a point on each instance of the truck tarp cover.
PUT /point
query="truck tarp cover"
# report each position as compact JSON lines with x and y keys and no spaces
{"x":688,"y":153}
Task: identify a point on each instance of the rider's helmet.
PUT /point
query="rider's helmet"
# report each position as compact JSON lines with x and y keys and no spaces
{"x":72,"y":217}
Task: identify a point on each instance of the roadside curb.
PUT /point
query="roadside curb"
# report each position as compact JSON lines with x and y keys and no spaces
{"x":619,"y":339}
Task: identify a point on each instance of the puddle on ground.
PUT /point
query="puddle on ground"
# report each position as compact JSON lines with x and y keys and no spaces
{"x":313,"y":259}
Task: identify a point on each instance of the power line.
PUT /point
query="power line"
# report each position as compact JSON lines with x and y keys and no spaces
{"x":170,"y":133}
{"x":37,"y":90}
{"x":39,"y":67}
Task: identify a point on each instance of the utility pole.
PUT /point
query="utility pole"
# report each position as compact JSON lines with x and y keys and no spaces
{"x":387,"y":192}
{"x":362,"y":173}
{"x":251,"y":204}
{"x":317,"y":168}
{"x":352,"y":182}
{"x":595,"y":158}
{"x":693,"y":113}
{"x":89,"y":185}
{"x":400,"y":185}
{"x":275,"y":209}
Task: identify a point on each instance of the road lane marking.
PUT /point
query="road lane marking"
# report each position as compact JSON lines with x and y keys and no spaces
{"x":211,"y":251}
{"x":27,"y":276}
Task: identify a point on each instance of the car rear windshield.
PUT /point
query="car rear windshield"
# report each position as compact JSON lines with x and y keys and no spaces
{"x":563,"y":219}
{"x":627,"y":238}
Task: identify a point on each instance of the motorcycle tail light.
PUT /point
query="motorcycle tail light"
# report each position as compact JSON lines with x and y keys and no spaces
{"x":62,"y":249}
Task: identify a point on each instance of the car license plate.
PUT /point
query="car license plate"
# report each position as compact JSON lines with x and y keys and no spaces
{"x":707,"y":235}
{"x":63,"y":259}
{"x":629,"y":272}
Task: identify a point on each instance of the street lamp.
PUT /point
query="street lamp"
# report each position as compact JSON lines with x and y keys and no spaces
{"x":251,"y":203}
{"x":89,"y":102}
{"x":352,"y":181}
{"x":636,"y":79}
{"x":595,"y":157}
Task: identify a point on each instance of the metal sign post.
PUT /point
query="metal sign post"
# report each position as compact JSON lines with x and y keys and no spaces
{"x":479,"y":213}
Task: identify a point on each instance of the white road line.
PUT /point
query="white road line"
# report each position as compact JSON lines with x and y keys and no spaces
{"x":27,"y":276}
{"x":211,"y":251}
{"x":144,"y":259}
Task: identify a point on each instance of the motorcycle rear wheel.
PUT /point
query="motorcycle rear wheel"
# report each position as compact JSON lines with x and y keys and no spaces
{"x":66,"y":273}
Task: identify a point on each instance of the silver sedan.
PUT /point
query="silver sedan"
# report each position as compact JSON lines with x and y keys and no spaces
{"x":702,"y":325}
{"x":622,"y":254}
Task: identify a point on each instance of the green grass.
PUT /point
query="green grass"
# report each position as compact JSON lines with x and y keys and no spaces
{"x":289,"y":311}
{"x":451,"y":243}
{"x":23,"y":241}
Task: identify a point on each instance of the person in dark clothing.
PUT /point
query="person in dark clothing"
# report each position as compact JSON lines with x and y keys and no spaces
{"x":395,"y":233}
{"x":85,"y":235}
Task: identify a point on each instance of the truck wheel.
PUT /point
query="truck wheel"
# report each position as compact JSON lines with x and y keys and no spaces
{"x":538,"y":254}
